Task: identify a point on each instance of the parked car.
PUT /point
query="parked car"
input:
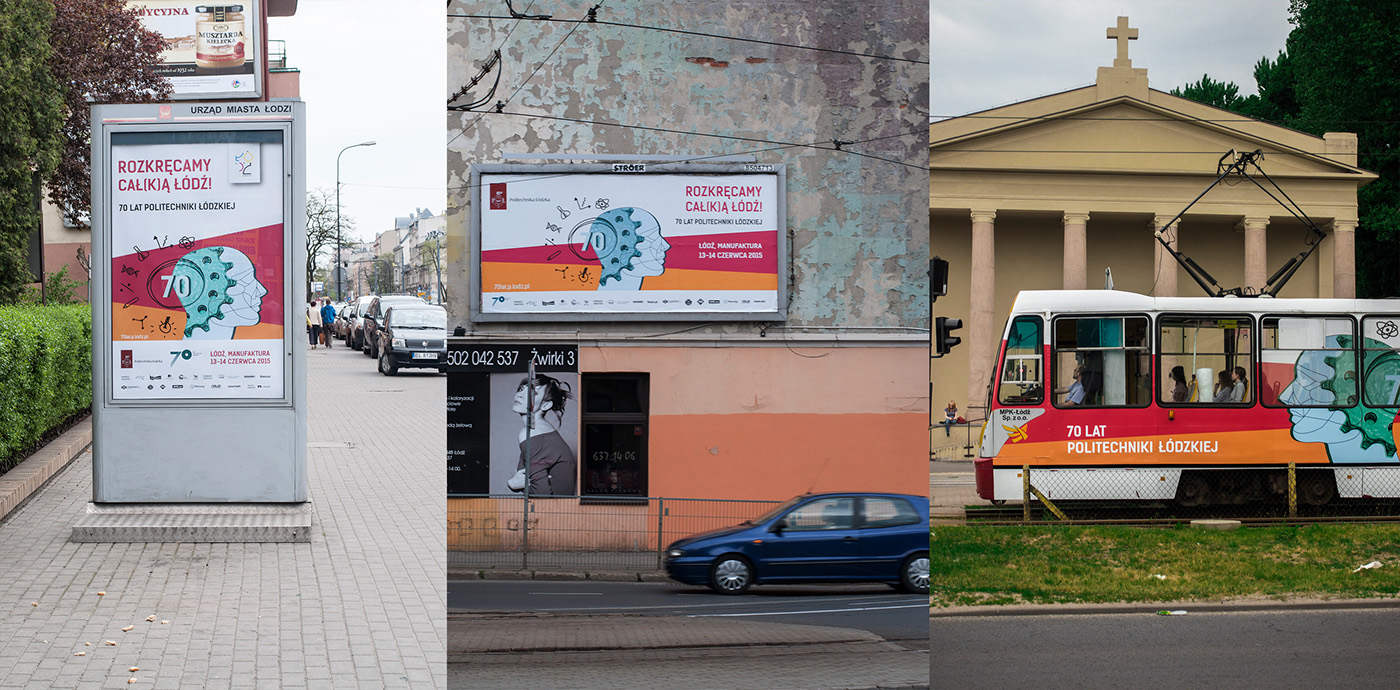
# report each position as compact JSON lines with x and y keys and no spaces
{"x":413,"y":336}
{"x":342,"y":319}
{"x":833,"y":537}
{"x":354,"y":336}
{"x":374,"y":317}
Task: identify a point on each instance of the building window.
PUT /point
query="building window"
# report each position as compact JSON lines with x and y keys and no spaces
{"x":614,"y":436}
{"x":1111,"y":356}
{"x":1206,"y":360}
{"x":1307,"y":362}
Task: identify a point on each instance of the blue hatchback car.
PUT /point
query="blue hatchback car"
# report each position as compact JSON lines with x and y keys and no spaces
{"x":834,"y":537}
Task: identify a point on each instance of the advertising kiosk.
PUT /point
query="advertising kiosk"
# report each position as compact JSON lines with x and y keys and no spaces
{"x":199,"y":395}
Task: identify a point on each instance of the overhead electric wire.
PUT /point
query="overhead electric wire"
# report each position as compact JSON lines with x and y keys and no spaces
{"x":528,"y":78}
{"x":731,"y":137}
{"x":777,"y":44}
{"x":702,"y":158}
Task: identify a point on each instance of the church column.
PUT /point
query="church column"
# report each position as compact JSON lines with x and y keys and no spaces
{"x":1344,"y":259}
{"x":1076,"y":249}
{"x":1163,"y":264}
{"x":1256,"y":253}
{"x":981,"y":331}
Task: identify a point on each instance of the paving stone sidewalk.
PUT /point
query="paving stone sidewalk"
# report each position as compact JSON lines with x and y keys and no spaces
{"x":363,"y":605}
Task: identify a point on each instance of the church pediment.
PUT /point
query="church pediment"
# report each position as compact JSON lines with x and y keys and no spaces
{"x":1124,"y":136}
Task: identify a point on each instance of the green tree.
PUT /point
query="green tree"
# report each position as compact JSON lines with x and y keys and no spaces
{"x":1347,"y":59}
{"x":1340,"y":73}
{"x":1225,"y":95}
{"x":31,"y":115}
{"x":382,"y":275}
{"x":101,"y":54}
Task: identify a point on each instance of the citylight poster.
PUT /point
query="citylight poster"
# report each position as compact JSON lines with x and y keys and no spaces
{"x":213,"y":52}
{"x":620,"y":244}
{"x":198,"y":265}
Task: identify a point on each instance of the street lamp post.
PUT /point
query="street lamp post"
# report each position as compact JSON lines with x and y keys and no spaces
{"x":339,"y":279}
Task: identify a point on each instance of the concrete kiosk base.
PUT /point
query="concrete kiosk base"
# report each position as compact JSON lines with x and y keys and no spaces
{"x":194,"y":522}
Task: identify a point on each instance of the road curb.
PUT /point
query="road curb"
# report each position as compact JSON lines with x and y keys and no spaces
{"x":17,"y":485}
{"x":1152,"y":608}
{"x":556,"y":575}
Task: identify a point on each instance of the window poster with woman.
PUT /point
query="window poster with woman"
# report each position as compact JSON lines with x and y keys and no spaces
{"x":512,"y":428}
{"x":534,"y":440}
{"x":198,"y":265}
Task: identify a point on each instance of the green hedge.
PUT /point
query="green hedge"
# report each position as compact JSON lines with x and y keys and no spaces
{"x":45,"y":372}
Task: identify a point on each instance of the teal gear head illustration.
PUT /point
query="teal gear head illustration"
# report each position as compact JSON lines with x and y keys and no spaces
{"x":613,"y":237}
{"x":1381,"y":367}
{"x":208,"y":284}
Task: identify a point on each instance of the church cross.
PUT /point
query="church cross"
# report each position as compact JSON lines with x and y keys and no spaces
{"x":1123,"y":34}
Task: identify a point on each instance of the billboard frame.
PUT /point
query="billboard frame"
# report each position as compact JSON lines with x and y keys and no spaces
{"x":475,"y":193}
{"x":254,"y":22}
{"x":189,"y":450}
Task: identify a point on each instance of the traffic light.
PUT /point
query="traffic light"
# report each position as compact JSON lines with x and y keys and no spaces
{"x":937,"y":278}
{"x":942,"y":340}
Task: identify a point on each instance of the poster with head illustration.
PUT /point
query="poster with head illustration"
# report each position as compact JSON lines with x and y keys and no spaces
{"x":630,"y":245}
{"x":1344,"y":397}
{"x":198,"y":265}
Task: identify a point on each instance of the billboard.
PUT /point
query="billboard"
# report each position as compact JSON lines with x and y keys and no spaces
{"x":686,"y":242}
{"x":198,"y":265}
{"x":211,"y":51}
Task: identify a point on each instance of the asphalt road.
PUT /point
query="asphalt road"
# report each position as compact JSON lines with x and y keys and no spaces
{"x":878,"y":609}
{"x":1274,"y":649}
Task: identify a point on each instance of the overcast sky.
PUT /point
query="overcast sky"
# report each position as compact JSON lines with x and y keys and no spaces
{"x":376,"y":71}
{"x":987,"y":53}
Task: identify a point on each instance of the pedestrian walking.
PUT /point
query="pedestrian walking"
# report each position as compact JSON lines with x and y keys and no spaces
{"x":327,"y":322}
{"x":313,"y":323}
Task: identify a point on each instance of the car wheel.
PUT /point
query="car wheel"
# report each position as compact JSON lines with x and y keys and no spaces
{"x":388,"y":367}
{"x":913,"y":574}
{"x":731,"y":574}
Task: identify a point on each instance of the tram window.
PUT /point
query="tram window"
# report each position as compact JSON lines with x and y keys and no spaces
{"x":1381,"y":354}
{"x":1307,"y":361}
{"x":1022,"y":373}
{"x":1206,"y":352}
{"x":1112,"y":356}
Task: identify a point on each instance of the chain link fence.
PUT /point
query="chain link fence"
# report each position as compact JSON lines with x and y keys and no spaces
{"x":484,"y":532}
{"x":1276,"y":493}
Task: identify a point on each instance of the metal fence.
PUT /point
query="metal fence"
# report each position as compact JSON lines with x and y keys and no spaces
{"x":484,"y":532}
{"x":1277,"y":493}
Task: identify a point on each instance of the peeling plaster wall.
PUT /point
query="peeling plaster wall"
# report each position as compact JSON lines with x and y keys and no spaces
{"x":859,"y":247}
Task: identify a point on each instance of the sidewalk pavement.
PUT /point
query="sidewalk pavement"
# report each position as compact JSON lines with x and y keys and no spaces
{"x":617,"y":651}
{"x":362,"y":605}
{"x":951,"y":486}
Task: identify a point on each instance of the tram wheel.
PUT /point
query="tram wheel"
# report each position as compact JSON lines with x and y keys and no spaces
{"x":1192,"y":490}
{"x":1316,"y":488}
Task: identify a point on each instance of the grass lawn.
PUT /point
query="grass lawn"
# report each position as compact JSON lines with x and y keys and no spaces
{"x":1072,"y":564}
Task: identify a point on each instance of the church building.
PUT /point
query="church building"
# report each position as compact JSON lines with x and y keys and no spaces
{"x":1062,"y":191}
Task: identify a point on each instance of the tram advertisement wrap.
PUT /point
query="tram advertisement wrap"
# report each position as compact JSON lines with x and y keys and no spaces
{"x":623,"y":244}
{"x":198,"y":269}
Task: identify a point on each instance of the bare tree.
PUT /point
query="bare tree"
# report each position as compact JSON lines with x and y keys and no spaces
{"x":321,"y":235}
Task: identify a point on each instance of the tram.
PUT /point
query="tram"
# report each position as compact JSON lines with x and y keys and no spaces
{"x":1110,"y":395}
